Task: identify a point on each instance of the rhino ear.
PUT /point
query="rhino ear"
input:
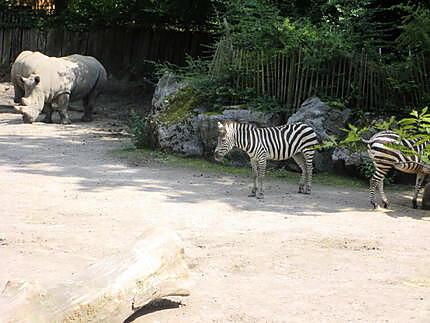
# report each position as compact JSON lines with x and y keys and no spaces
{"x":23,"y":79}
{"x":220,"y":125}
{"x":37,"y":79}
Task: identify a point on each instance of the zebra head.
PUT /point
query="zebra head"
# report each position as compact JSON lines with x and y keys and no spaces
{"x":226,"y":137}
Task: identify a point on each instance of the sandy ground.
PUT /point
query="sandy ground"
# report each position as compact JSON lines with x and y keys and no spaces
{"x":67,"y":201}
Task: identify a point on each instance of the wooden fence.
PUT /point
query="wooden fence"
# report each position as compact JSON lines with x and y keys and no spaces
{"x":119,"y":49}
{"x":366,"y":84}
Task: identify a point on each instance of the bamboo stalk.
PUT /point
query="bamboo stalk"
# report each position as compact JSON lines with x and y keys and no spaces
{"x":286,"y":75}
{"x":297,"y":80}
{"x":339,"y":75}
{"x":290,"y":93}
{"x":301,"y":84}
{"x":262,"y":74}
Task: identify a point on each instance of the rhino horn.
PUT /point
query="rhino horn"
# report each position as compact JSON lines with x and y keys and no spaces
{"x":19,"y":108}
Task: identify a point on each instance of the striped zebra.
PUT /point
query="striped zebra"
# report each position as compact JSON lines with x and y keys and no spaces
{"x":385,"y":157}
{"x":272,"y":143}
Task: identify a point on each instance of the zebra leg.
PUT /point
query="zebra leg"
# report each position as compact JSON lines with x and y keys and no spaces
{"x":418,"y":185}
{"x":300,"y":160}
{"x":377,"y":180}
{"x":254,"y":166}
{"x":309,"y":157}
{"x":261,"y":172}
{"x":382,"y":193}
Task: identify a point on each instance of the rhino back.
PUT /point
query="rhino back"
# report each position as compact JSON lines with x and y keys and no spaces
{"x":89,"y":74}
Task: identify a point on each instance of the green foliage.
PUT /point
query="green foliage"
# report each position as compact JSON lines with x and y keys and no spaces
{"x":180,"y":106}
{"x":252,"y":24}
{"x":366,"y":170}
{"x":353,"y":139}
{"x":140,"y":130}
{"x":416,"y":30}
{"x":415,"y":127}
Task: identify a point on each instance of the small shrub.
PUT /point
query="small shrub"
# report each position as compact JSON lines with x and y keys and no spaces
{"x":141,"y":131}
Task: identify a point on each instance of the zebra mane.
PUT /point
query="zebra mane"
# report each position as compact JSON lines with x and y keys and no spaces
{"x":235,"y":122}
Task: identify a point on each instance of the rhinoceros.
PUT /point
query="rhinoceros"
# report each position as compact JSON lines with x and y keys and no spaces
{"x":50,"y":83}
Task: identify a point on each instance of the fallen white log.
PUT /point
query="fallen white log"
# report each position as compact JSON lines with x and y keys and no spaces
{"x":108,"y":291}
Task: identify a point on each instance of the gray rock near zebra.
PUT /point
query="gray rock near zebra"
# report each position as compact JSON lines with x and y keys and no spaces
{"x":197,"y":135}
{"x":179,"y":138}
{"x":348,"y":157}
{"x":325,"y":121}
{"x":166,"y":87}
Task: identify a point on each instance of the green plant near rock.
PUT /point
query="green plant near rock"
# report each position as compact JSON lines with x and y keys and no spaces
{"x":415,"y":127}
{"x":140,"y":130}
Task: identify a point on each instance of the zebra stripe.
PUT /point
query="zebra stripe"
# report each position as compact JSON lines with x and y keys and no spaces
{"x":271,"y":143}
{"x":385,"y":158}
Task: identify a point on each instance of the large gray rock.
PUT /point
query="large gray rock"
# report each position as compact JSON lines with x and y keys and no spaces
{"x":348,"y":157}
{"x":325,"y":121}
{"x":180,"y":138}
{"x":166,"y":88}
{"x":198,"y":134}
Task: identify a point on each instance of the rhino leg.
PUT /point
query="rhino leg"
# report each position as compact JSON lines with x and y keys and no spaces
{"x":19,"y":93}
{"x":48,"y":113}
{"x":63,"y":106}
{"x":89,"y":103}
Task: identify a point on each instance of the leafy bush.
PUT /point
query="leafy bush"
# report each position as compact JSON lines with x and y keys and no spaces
{"x":141,"y":131}
{"x":415,"y":127}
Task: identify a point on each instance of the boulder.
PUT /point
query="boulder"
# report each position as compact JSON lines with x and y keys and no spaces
{"x":197,"y":134}
{"x":325,"y":121}
{"x":166,"y":87}
{"x":181,"y":137}
{"x":107,"y":291}
{"x":348,"y":157}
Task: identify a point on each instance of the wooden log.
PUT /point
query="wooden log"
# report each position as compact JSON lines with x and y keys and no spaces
{"x":107,"y":291}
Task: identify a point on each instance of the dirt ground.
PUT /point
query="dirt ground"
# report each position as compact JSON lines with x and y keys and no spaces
{"x":67,"y":201}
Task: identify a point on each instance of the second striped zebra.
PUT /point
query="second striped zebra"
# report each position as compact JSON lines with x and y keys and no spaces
{"x":382,"y":151}
{"x":271,"y":143}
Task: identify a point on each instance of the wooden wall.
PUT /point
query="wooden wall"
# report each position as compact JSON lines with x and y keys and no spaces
{"x":118,"y":49}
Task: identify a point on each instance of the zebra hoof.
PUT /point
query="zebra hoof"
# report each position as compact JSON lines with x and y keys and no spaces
{"x":374,"y":205}
{"x":385,"y":205}
{"x":414,"y":205}
{"x":260,"y":196}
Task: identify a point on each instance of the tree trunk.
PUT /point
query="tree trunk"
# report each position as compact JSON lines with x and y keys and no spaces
{"x":107,"y":291}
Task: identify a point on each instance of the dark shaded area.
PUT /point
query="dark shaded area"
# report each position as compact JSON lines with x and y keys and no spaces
{"x":154,"y":306}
